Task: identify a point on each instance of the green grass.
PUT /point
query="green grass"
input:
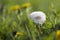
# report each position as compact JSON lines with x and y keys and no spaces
{"x":10,"y":21}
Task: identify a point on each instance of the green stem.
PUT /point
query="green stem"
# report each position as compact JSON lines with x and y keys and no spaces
{"x":39,"y":31}
{"x":28,"y":31}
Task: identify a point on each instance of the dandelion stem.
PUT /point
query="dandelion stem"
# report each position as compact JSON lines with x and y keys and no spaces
{"x":39,"y":30}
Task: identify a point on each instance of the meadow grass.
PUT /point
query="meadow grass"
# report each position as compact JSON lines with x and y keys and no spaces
{"x":12,"y":21}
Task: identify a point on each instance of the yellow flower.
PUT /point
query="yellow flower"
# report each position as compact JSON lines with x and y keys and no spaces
{"x":15,"y":7}
{"x":19,"y":33}
{"x":58,"y":35}
{"x":26,"y":5}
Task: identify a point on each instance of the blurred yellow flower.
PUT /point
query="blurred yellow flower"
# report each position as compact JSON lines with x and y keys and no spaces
{"x":15,"y":7}
{"x":19,"y":33}
{"x":26,"y":5}
{"x":58,"y":35}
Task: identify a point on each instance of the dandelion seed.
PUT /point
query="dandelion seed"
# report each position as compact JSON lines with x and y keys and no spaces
{"x":38,"y":17}
{"x":26,"y":5}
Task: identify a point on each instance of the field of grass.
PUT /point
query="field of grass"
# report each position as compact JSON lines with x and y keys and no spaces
{"x":16,"y":24}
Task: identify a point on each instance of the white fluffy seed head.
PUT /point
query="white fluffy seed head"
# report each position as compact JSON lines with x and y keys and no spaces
{"x":38,"y":17}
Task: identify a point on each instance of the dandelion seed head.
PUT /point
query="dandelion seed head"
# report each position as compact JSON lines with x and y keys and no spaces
{"x":38,"y":17}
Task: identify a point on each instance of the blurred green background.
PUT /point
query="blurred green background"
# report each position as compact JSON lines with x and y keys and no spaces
{"x":15,"y":25}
